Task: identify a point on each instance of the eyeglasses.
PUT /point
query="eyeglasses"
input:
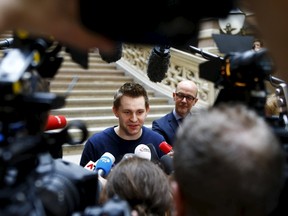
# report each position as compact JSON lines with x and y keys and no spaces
{"x":181,"y":96}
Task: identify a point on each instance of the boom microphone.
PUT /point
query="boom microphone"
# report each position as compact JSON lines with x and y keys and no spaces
{"x":165,"y":147}
{"x":114,"y":55}
{"x":55,"y":122}
{"x":158,"y":63}
{"x":104,"y":164}
{"x":143,"y":151}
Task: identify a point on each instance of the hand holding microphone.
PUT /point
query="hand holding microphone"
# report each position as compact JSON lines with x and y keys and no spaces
{"x":166,"y":148}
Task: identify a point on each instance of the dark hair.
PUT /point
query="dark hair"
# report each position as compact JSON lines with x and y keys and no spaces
{"x":230,"y":161}
{"x":130,"y":89}
{"x":143,"y":184}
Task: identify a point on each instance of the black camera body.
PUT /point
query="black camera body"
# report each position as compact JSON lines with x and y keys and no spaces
{"x":32,"y":181}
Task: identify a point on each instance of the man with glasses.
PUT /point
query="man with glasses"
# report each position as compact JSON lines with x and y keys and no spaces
{"x":185,"y":98}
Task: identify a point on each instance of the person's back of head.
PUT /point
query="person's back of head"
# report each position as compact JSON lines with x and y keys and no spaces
{"x":227,"y":161}
{"x":142,"y":183}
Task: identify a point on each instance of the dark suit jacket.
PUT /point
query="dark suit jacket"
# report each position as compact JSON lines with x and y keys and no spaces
{"x":166,"y":126}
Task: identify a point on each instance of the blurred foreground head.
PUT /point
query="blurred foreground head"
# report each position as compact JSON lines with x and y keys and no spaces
{"x":143,"y":184}
{"x":227,"y":161}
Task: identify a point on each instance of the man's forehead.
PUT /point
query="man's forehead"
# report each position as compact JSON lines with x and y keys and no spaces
{"x":132,"y":103}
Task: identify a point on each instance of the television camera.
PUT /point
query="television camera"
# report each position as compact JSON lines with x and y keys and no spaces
{"x":242,"y":77}
{"x":32,"y":182}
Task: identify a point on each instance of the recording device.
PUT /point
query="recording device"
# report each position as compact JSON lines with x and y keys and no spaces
{"x":158,"y":63}
{"x":154,"y":155}
{"x":167,"y":164}
{"x":241,"y":77}
{"x":104,"y":164}
{"x":165,"y":147}
{"x":143,"y":151}
{"x":32,"y":182}
{"x":55,"y":122}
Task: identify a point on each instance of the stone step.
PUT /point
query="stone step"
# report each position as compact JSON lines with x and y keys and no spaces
{"x":92,"y":78}
{"x":76,"y":112}
{"x":94,"y":102}
{"x":95,"y":94}
{"x":93,"y":86}
{"x":92,"y":65}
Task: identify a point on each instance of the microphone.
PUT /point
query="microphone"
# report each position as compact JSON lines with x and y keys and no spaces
{"x":165,"y":147}
{"x":167,"y":164}
{"x":55,"y":122}
{"x":90,"y":166}
{"x":104,"y":164}
{"x":154,"y":155}
{"x":158,"y":63}
{"x":143,"y":151}
{"x":6,"y":43}
{"x":113,"y":55}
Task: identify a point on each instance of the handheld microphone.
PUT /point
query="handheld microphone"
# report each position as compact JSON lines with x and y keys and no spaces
{"x":154,"y":155}
{"x":165,"y":147}
{"x":143,"y":151}
{"x":55,"y":122}
{"x":104,"y":164}
{"x":158,"y":63}
{"x":90,"y":165}
{"x":167,"y":164}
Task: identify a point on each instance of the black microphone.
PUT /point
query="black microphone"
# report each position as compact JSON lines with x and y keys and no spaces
{"x":154,"y":155}
{"x":167,"y":164}
{"x":112,"y":56}
{"x":158,"y":63}
{"x":6,"y":43}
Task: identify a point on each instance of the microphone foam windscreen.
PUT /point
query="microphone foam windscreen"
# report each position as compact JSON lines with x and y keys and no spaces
{"x":154,"y":155}
{"x":55,"y":122}
{"x":143,"y":151}
{"x":165,"y":147}
{"x":167,"y":164}
{"x":158,"y":63}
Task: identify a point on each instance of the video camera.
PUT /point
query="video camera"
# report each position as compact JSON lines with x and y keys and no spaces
{"x":242,"y":77}
{"x":32,"y":182}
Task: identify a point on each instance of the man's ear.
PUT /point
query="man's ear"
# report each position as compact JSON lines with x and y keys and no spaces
{"x":115,"y":111}
{"x":178,"y":199}
{"x":147,"y":109}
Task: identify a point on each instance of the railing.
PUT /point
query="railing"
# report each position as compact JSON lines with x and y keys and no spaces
{"x":183,"y":65}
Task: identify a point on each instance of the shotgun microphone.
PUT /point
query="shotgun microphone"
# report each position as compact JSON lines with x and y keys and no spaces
{"x":158,"y":63}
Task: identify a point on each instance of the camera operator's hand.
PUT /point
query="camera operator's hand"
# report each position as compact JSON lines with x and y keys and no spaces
{"x":52,"y":18}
